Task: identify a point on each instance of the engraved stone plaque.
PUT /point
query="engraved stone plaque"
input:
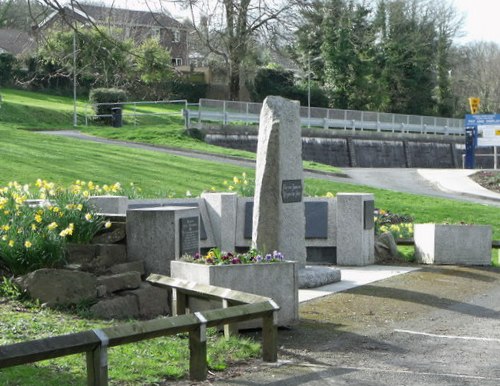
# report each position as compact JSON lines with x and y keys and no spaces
{"x":189,"y":235}
{"x":369,"y":208}
{"x":291,"y":191}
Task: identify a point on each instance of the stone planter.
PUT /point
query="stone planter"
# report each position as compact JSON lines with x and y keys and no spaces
{"x":453,"y":244}
{"x":278,"y":281}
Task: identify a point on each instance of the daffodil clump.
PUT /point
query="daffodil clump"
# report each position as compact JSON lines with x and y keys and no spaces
{"x":244,"y":185}
{"x":33,"y":233}
{"x":401,"y":226}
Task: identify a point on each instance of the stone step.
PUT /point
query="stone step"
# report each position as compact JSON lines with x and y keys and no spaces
{"x":120,"y":281}
{"x":144,"y":302}
{"x":137,"y":266}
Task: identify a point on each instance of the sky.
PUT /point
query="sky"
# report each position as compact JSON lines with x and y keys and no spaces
{"x":481,"y":17}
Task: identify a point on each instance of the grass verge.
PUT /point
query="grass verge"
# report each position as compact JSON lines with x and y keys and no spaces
{"x":146,"y":362}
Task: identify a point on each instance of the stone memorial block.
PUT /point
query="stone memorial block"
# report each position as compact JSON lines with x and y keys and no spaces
{"x":221,"y":209}
{"x":453,"y":244}
{"x":355,"y":243}
{"x":162,"y":234}
{"x":278,"y":216}
{"x":110,"y":204}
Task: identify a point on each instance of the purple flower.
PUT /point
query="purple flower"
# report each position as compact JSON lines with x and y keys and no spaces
{"x":278,"y":255}
{"x":235,"y":260}
{"x":197,"y":256}
{"x":258,"y":258}
{"x":269,"y":257}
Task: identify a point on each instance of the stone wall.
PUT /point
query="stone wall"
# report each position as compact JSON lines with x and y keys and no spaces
{"x":359,"y":149}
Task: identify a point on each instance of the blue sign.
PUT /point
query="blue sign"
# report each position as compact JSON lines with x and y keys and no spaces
{"x":482,"y":119}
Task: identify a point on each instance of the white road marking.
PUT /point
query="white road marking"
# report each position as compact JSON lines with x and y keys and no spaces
{"x":449,"y":336}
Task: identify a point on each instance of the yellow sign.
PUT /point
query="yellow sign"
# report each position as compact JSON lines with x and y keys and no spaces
{"x":497,"y":132}
{"x":474,"y":105}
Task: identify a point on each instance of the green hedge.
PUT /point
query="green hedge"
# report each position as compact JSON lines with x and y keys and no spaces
{"x":112,"y":97}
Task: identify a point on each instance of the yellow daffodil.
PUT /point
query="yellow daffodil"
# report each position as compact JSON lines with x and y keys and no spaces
{"x":88,"y":217}
{"x":107,"y":225}
{"x":27,"y":244}
{"x":11,"y":243}
{"x":53,"y":225}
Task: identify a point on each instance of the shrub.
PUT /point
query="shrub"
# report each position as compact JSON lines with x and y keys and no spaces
{"x":190,"y":89}
{"x":7,"y":68}
{"x":33,"y":234}
{"x":104,"y":99}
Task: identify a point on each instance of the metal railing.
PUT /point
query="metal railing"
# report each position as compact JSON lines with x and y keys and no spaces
{"x":133,"y":111}
{"x":236,"y":306}
{"x":211,"y":110}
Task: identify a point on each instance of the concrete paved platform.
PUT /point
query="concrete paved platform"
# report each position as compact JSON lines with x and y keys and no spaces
{"x":353,"y":277}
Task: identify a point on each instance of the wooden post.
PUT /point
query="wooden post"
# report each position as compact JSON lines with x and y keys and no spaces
{"x":179,"y":302}
{"x":270,"y":337}
{"x":230,"y":328}
{"x":97,"y":362}
{"x":198,"y":367}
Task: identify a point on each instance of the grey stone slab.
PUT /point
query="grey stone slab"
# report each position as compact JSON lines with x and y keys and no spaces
{"x":137,"y":266}
{"x":189,"y":204}
{"x":122,"y":307}
{"x":59,"y":286}
{"x":317,"y":276}
{"x":110,"y":204}
{"x":151,"y":301}
{"x":120,"y":281}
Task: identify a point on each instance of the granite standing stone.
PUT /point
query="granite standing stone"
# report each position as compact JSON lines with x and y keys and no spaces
{"x":278,"y":216}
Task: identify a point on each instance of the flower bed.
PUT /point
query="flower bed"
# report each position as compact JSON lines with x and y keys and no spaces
{"x":37,"y":222}
{"x":275,"y":280}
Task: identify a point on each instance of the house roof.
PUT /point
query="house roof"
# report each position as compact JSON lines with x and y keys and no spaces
{"x":14,"y":41}
{"x":121,"y":16}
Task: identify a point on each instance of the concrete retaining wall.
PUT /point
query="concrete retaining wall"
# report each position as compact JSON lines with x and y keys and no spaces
{"x":354,"y":149}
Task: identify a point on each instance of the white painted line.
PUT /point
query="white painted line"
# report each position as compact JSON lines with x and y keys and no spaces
{"x":449,"y":336}
{"x":420,"y":373}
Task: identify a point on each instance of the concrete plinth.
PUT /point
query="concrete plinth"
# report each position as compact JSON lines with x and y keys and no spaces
{"x":355,"y":229}
{"x":453,"y":244}
{"x":154,"y":235}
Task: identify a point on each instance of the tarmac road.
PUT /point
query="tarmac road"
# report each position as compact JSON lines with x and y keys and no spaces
{"x":436,"y":326}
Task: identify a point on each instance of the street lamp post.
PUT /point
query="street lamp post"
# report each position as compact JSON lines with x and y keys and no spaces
{"x":309,"y":91}
{"x":75,"y":119}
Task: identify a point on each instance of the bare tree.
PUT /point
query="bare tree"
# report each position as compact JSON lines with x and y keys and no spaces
{"x":228,"y":27}
{"x":476,"y":75}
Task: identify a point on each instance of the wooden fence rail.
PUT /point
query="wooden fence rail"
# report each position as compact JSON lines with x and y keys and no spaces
{"x":95,"y":343}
